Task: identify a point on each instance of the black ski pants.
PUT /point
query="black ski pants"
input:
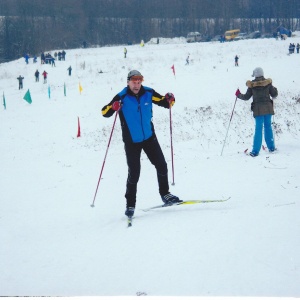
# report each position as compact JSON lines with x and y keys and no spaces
{"x":133,"y":155}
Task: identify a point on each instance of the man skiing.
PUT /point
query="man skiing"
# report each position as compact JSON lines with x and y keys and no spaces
{"x":134,"y":104}
{"x":262,"y":106}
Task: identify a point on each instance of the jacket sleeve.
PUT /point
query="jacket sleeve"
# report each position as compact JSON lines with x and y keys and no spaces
{"x":160,"y":100}
{"x":107,"y":110}
{"x":246,"y":96}
{"x":273,"y":91}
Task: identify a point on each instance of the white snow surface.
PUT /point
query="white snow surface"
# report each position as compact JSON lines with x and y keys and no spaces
{"x":53,"y":243}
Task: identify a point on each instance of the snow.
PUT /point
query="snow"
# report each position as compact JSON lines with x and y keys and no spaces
{"x":53,"y":243}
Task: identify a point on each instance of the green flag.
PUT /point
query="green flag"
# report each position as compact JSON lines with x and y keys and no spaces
{"x":65,"y":92}
{"x":49,"y":92}
{"x":4,"y":103}
{"x":27,"y":97}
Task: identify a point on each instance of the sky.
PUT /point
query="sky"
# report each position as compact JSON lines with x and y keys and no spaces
{"x":53,"y":243}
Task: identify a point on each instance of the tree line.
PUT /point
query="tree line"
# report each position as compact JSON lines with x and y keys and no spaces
{"x":34,"y":26}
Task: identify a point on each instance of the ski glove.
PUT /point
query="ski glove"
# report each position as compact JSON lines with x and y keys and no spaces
{"x":170,"y":98}
{"x":237,"y":93}
{"x":116,"y":105}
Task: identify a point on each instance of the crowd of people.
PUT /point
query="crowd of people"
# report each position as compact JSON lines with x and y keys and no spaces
{"x":45,"y":59}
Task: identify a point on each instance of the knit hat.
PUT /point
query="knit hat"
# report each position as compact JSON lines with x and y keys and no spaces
{"x":133,"y":73}
{"x":258,"y":72}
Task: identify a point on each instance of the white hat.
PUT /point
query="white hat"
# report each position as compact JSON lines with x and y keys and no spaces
{"x":258,"y":72}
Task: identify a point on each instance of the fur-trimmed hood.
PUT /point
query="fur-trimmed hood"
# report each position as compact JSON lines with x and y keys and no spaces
{"x":260,"y":82}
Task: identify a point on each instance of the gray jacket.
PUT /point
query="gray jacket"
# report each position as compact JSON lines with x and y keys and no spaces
{"x":260,"y":89}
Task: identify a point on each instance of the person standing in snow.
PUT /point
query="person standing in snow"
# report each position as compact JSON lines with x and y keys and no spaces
{"x":236,"y":60}
{"x":37,"y":76}
{"x":20,"y":78}
{"x":134,"y":104}
{"x":45,"y":76}
{"x":70,"y":70}
{"x":187,"y":60}
{"x":262,"y":107}
{"x":125,"y":52}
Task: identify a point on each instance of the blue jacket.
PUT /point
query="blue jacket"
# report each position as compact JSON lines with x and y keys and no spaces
{"x":136,"y":113}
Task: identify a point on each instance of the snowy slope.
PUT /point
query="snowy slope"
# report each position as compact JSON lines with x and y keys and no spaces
{"x":54,"y":244}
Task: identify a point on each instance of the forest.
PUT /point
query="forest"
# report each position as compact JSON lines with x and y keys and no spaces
{"x":35,"y":26}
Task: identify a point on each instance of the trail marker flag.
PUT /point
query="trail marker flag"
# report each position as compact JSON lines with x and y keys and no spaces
{"x":4,"y":103}
{"x":27,"y":97}
{"x":78,"y":133}
{"x":173,"y":68}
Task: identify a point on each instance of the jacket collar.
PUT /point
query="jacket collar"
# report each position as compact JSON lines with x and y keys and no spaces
{"x":140,"y":93}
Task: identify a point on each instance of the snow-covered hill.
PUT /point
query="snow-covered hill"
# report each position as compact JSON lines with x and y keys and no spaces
{"x":54,"y":244}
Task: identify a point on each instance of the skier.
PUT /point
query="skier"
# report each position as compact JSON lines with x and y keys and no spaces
{"x":20,"y":78}
{"x":125,"y":52}
{"x":298,"y":47}
{"x":236,"y":60}
{"x":187,"y":60}
{"x":262,"y":107}
{"x":37,"y":76}
{"x":45,"y":76}
{"x":70,"y":70}
{"x":134,"y":104}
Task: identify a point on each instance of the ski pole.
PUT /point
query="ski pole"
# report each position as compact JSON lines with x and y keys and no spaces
{"x":229,"y":125}
{"x":173,"y":183}
{"x":92,"y":205}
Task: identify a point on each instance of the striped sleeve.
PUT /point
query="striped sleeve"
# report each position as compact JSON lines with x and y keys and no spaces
{"x":107,"y":110}
{"x":160,"y":100}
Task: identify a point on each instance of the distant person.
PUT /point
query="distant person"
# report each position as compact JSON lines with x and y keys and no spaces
{"x":187,"y":61}
{"x":37,"y":76}
{"x":236,"y":61}
{"x":43,"y":58}
{"x":70,"y":70}
{"x":34,"y":59}
{"x":291,"y":48}
{"x":52,"y":59}
{"x":26,"y":58}
{"x":45,"y":76}
{"x":298,"y":47}
{"x":20,"y":79}
{"x":125,"y":52}
{"x":262,"y":107}
{"x":134,"y":104}
{"x":63,"y":55}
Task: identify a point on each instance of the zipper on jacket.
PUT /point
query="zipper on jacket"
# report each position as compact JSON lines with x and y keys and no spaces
{"x":140,"y":111}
